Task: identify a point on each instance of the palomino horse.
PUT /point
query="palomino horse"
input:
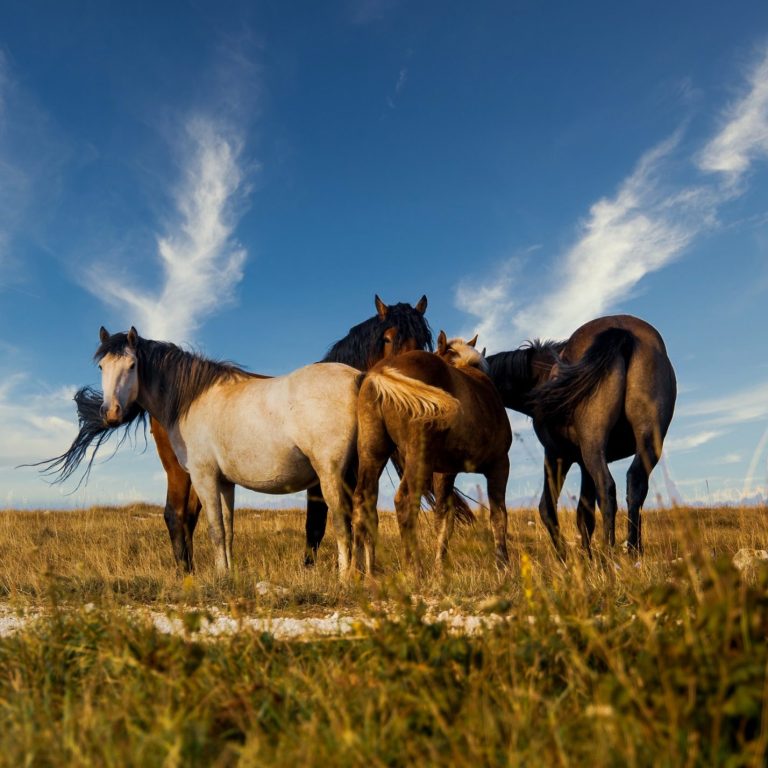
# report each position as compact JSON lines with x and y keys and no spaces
{"x":606,"y":393}
{"x":228,"y":427}
{"x":442,"y":414}
{"x":393,"y":329}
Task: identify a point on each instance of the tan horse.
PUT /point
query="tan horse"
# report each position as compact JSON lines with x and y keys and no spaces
{"x":229,"y":427}
{"x":442,"y":414}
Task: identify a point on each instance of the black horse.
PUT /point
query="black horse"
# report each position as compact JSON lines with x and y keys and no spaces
{"x":393,"y":329}
{"x":606,"y":393}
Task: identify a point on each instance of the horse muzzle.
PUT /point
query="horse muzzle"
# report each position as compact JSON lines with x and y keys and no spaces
{"x":112,"y":414}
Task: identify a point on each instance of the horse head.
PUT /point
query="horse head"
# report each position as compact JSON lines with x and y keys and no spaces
{"x":460,"y":353}
{"x":117,"y":359}
{"x":404,"y":327}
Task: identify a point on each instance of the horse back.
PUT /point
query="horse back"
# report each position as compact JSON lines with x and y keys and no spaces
{"x":482,"y":417}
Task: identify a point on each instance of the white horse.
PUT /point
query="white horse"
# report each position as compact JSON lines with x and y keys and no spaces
{"x":229,"y":427}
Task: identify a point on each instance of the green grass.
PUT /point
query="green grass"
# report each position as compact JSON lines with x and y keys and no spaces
{"x":602,"y":663}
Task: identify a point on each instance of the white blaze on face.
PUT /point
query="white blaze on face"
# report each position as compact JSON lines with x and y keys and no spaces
{"x":119,"y":383}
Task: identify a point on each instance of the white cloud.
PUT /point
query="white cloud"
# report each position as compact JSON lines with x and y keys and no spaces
{"x":492,"y":303}
{"x":638,"y":231}
{"x":737,"y":407}
{"x":744,"y":135}
{"x":35,"y":426}
{"x":689,"y":442}
{"x":643,"y":228}
{"x":364,"y":12}
{"x":202,"y":262}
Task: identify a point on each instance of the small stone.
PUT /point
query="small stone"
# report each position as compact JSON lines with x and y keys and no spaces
{"x":749,"y":558}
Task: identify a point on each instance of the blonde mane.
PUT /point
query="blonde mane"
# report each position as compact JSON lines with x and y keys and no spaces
{"x":465,"y":356}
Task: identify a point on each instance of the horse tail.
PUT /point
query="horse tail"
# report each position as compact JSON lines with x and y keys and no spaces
{"x":575,"y":382}
{"x":93,"y":432}
{"x":420,"y":401}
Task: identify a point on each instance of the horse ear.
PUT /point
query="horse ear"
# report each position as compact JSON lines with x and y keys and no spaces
{"x":133,"y":338}
{"x":103,"y":334}
{"x":482,"y":354}
{"x":421,"y":307}
{"x":381,"y":308}
{"x":442,"y":343}
{"x":472,"y":342}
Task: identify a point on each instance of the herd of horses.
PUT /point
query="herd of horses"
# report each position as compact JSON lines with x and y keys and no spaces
{"x":384,"y":393}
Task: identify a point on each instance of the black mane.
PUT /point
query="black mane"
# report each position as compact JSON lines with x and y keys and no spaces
{"x":365,"y":341}
{"x":186,"y":375}
{"x":511,"y":368}
{"x":517,"y":372}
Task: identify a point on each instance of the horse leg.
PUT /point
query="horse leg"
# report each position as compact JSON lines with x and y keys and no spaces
{"x":496,"y":478}
{"x":177,"y":497}
{"x":317,"y":518}
{"x":365,"y":518}
{"x":192,"y":509}
{"x":585,"y":511}
{"x":336,"y":493}
{"x":209,"y":491}
{"x":597,"y":466}
{"x":408,"y":505}
{"x":227,"y":492}
{"x":642,"y":465}
{"x":445,"y":514}
{"x":404,"y":523}
{"x":555,"y":470}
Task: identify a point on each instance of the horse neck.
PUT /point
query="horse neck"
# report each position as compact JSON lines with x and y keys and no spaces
{"x":171,"y":379}
{"x":155,"y":380}
{"x":518,"y":372}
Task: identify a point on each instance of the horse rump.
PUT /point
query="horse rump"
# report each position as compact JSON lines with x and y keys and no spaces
{"x":556,"y":399}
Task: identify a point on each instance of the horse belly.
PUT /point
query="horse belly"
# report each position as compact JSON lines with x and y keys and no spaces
{"x":269,"y":471}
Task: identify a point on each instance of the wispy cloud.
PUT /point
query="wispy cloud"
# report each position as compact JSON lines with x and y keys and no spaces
{"x":744,"y":135}
{"x":402,"y":78}
{"x":32,"y":157}
{"x":645,"y":226}
{"x":364,"y":12}
{"x":201,"y":260}
{"x":737,"y":407}
{"x":35,"y":425}
{"x":689,"y":442}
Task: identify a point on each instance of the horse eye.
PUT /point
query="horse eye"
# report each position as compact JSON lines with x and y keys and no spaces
{"x":131,"y":366}
{"x":100,"y":366}
{"x":387,"y":340}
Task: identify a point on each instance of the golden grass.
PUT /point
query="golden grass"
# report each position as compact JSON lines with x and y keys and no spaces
{"x":610,"y":662}
{"x":122,"y":554}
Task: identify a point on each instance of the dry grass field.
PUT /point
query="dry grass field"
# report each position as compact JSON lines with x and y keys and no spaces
{"x":609,"y":662}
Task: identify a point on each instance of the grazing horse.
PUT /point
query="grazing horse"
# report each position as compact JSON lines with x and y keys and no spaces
{"x":393,"y":329}
{"x":443,"y":415}
{"x":229,"y":427}
{"x":606,"y":393}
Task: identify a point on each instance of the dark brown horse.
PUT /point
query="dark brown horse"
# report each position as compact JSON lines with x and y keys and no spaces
{"x":393,"y":329}
{"x":606,"y":393}
{"x":443,"y":415}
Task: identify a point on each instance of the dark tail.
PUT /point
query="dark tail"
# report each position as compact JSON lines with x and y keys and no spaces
{"x":93,"y":432}
{"x":574,"y":382}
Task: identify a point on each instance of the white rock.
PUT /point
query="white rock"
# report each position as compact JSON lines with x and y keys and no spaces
{"x":749,"y":558}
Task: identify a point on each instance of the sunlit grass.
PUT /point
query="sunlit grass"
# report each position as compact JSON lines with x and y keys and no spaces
{"x":606,"y":662}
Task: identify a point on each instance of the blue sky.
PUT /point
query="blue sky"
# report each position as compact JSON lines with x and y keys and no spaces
{"x":243,"y":178}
